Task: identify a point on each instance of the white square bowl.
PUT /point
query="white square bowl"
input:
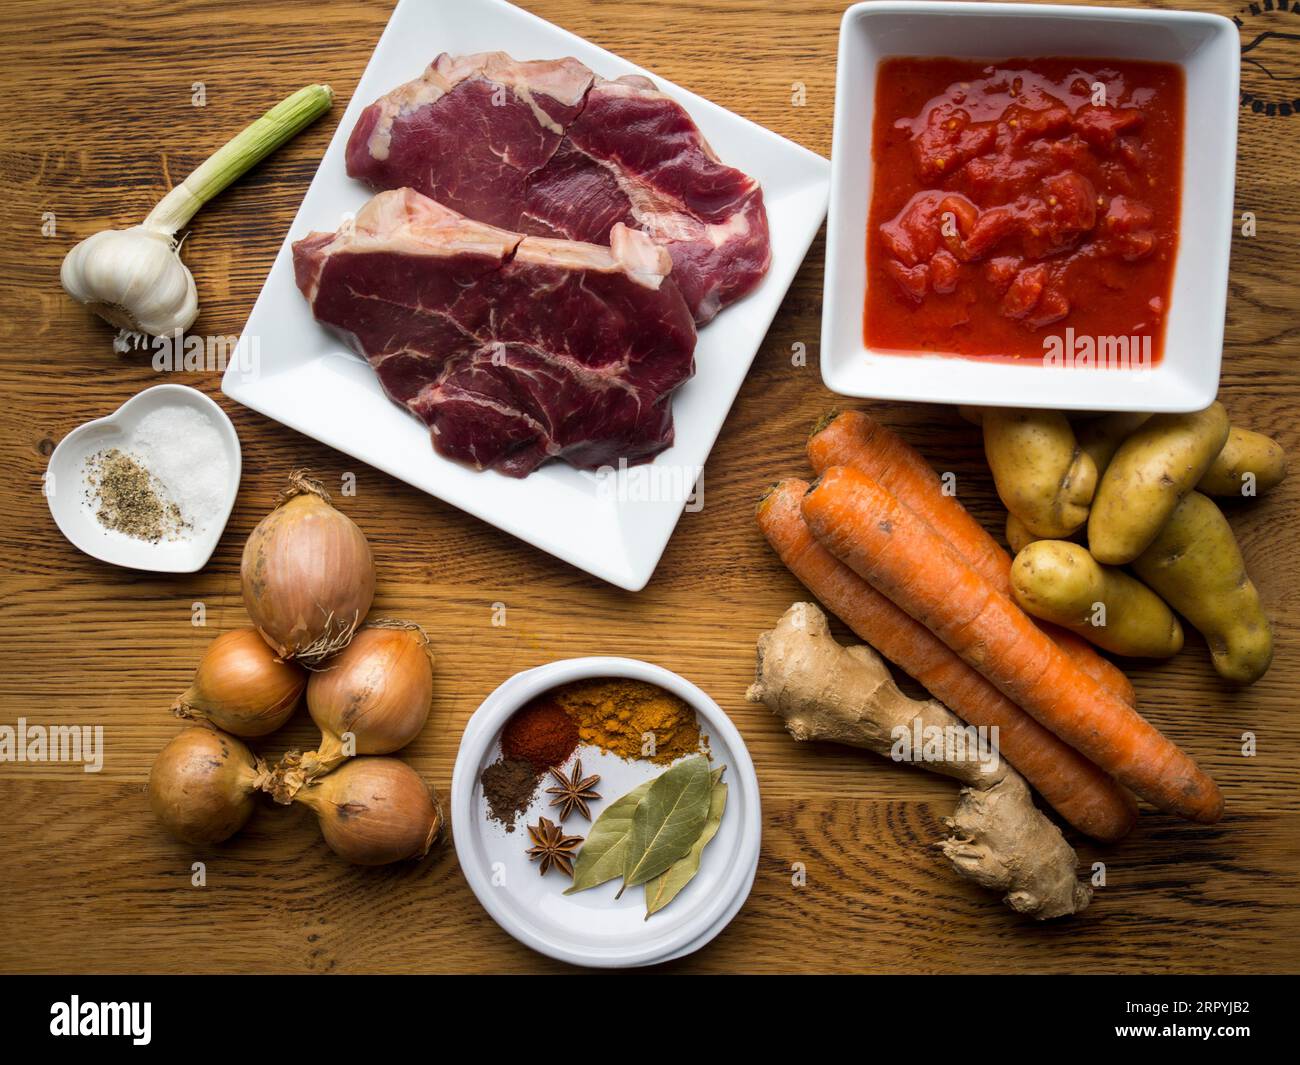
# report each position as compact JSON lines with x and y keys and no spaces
{"x":1206,"y":46}
{"x":616,"y":527}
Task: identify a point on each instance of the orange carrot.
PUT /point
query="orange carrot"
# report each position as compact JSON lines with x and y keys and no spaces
{"x":854,"y":438}
{"x":903,"y":558}
{"x":1085,"y":796}
{"x":1085,"y":656}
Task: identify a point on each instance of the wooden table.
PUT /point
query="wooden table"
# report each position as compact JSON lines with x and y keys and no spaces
{"x":99,"y":121}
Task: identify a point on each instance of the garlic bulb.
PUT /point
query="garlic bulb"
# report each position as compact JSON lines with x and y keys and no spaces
{"x":134,"y":278}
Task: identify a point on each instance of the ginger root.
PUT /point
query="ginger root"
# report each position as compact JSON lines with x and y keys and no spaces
{"x":997,"y":837}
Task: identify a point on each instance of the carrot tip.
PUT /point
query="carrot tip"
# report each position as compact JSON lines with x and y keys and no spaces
{"x":824,"y":421}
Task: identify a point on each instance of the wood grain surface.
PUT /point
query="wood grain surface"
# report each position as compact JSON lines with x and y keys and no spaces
{"x":98,"y":122}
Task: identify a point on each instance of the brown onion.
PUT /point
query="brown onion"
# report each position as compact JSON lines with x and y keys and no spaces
{"x":241,"y":687}
{"x":373,"y":811}
{"x":202,"y":785}
{"x":307,"y":573}
{"x":377,"y":691}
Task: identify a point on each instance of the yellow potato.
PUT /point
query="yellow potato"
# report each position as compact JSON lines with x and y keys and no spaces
{"x":1018,"y":537}
{"x":1062,"y":583}
{"x":1151,"y":471}
{"x":1101,"y":437}
{"x":1196,"y":567}
{"x":1041,"y":474}
{"x":1250,"y":463}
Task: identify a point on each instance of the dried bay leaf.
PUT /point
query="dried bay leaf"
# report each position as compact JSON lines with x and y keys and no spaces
{"x":668,"y":821}
{"x":601,"y":857}
{"x":660,"y":891}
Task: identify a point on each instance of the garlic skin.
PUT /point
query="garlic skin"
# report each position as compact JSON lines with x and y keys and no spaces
{"x":133,"y":279}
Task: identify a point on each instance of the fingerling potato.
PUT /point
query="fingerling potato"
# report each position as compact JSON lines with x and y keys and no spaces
{"x":1101,"y":437}
{"x":1195,"y":565}
{"x":1150,"y":473}
{"x":1061,"y":582}
{"x":1018,"y":537}
{"x":1042,"y":475}
{"x":1250,"y":463}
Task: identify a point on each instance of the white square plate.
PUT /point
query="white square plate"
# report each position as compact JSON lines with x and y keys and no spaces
{"x":1205,"y":46}
{"x":306,"y":378}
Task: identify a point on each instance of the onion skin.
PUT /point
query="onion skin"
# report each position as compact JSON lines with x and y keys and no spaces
{"x":202,"y":785}
{"x":373,"y":811}
{"x":308,"y":576}
{"x":241,"y":687}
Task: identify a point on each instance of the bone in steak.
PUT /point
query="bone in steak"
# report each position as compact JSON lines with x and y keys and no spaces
{"x":551,"y":149}
{"x":512,"y":349}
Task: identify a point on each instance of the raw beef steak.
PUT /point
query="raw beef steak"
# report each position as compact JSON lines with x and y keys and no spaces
{"x":512,"y":349}
{"x":551,"y":149}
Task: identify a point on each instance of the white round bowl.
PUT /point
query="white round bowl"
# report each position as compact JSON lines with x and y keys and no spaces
{"x":591,"y":927}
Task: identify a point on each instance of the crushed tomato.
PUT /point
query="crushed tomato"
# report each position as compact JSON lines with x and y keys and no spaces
{"x":1012,"y":201}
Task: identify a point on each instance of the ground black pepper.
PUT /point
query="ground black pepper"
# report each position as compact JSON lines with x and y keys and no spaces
{"x":128,"y":498}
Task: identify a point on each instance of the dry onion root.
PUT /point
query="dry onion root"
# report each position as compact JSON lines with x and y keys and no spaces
{"x":241,"y":687}
{"x":373,"y":697}
{"x":202,"y":785}
{"x":373,"y":811}
{"x":307,"y":574}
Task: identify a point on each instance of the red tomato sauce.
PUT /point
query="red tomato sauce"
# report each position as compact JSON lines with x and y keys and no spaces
{"x":1016,"y":200}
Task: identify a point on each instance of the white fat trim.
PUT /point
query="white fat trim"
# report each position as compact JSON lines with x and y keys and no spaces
{"x":404,"y":220}
{"x":630,"y":253}
{"x":644,"y":261}
{"x":544,"y":120}
{"x":428,"y":88}
{"x":664,"y":220}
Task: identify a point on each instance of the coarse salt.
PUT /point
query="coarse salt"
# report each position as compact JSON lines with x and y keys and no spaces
{"x":185,"y":452}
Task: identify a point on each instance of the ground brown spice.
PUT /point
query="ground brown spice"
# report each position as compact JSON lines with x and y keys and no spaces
{"x":509,"y":786}
{"x":632,"y":719}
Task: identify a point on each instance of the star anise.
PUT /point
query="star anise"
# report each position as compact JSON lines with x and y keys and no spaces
{"x":552,"y":846}
{"x":573,"y":791}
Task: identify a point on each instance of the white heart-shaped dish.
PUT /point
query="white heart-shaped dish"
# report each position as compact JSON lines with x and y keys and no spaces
{"x":65,"y":486}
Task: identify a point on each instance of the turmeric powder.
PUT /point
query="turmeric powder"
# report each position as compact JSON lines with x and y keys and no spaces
{"x":631,"y":718}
